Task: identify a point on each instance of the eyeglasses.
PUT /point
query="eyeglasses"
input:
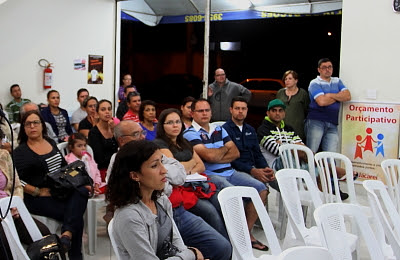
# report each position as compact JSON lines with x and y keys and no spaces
{"x":326,"y":67}
{"x":176,"y":122}
{"x":202,"y":110}
{"x":30,"y":123}
{"x":217,"y":75}
{"x":92,"y":106}
{"x":137,"y":134}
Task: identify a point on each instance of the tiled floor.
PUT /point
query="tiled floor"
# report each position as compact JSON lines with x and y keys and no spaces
{"x":104,"y":250}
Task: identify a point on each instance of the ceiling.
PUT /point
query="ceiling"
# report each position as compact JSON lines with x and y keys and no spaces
{"x":151,"y":11}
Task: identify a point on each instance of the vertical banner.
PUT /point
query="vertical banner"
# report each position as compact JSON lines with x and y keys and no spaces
{"x":370,"y":134}
{"x":95,"y":69}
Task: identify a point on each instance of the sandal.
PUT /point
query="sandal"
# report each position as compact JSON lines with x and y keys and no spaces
{"x":261,"y":247}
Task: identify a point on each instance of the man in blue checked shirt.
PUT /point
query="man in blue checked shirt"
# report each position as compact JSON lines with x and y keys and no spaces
{"x":217,"y":150}
{"x":326,"y":94}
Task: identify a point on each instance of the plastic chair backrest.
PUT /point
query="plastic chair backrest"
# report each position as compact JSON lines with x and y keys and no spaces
{"x":231,"y":201}
{"x":386,"y":227}
{"x":391,"y":170}
{"x":63,"y":147}
{"x":306,"y":252}
{"x":112,"y":239}
{"x":288,"y":180}
{"x":330,"y":222}
{"x":218,"y":123}
{"x":327,"y":169}
{"x":10,"y":230}
{"x":290,"y":158}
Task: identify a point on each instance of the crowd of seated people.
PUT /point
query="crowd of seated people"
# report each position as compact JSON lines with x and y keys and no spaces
{"x":195,"y":227}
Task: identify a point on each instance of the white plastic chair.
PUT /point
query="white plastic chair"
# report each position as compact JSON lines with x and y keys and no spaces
{"x":112,"y":239}
{"x":17,"y":250}
{"x":327,"y":169}
{"x":91,"y":224}
{"x":388,"y":227}
{"x":298,"y":234}
{"x":391,"y":170}
{"x":306,"y":253}
{"x":63,"y":147}
{"x":330,"y":222}
{"x":231,"y":201}
{"x":289,"y":153}
{"x":92,"y":206}
{"x":218,"y":123}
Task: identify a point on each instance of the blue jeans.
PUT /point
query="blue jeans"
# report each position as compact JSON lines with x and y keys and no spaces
{"x":239,"y":179}
{"x":210,"y":211}
{"x":197,"y":233}
{"x":321,"y":134}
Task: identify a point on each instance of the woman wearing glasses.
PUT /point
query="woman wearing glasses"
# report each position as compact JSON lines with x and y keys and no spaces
{"x":90,"y":104}
{"x":172,"y":144}
{"x":101,"y":137}
{"x":147,"y":117}
{"x":35,"y":157}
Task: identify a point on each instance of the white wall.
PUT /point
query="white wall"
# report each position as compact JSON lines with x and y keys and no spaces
{"x":370,"y":50}
{"x":59,"y":31}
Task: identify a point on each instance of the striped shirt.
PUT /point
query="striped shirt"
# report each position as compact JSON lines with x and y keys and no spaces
{"x":216,"y":138}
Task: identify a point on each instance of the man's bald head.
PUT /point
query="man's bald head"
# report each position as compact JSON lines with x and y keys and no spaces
{"x":127,"y":131}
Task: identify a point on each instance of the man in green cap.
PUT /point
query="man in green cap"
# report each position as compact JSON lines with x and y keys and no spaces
{"x":273,"y":132}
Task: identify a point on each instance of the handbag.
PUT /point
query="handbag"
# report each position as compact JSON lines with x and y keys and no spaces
{"x":49,"y":247}
{"x":68,"y":178}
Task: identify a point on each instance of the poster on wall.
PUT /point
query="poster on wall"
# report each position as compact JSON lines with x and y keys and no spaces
{"x":95,"y":69}
{"x":79,"y":64}
{"x":370,"y":134}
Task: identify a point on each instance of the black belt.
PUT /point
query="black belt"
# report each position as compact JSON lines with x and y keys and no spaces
{"x":222,"y":169}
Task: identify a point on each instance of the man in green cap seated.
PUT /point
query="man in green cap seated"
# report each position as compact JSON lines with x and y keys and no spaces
{"x":273,"y":132}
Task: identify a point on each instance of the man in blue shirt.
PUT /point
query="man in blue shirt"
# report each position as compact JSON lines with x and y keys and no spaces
{"x":326,"y":94}
{"x":244,"y":136}
{"x":216,"y":149}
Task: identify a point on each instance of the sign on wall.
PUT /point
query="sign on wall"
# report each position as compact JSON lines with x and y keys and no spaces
{"x":95,"y":70}
{"x":370,"y":134}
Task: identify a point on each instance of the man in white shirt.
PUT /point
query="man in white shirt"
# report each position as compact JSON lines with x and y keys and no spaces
{"x":80,"y":113}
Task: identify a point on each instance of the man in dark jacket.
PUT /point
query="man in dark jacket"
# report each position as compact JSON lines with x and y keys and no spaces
{"x":244,"y":136}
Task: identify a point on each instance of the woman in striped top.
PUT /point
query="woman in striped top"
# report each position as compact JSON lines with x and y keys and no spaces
{"x":35,"y":157}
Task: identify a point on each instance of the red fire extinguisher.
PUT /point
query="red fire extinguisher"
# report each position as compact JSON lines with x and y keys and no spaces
{"x":47,"y":73}
{"x":47,"y":77}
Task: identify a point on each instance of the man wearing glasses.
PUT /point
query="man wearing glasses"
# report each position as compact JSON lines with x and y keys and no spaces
{"x":220,"y":94}
{"x":326,"y":94}
{"x":214,"y":146}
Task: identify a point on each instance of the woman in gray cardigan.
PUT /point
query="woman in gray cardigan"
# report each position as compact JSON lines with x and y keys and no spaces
{"x":143,"y":223}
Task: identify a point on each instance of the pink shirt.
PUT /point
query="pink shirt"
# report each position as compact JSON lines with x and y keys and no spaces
{"x":91,"y":166}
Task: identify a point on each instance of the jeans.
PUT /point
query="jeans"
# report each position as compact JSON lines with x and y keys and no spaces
{"x":197,"y":233}
{"x":210,"y":211}
{"x":321,"y":134}
{"x":239,"y":179}
{"x":69,"y":212}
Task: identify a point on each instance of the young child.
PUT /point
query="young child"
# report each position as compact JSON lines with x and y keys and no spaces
{"x":77,"y":148}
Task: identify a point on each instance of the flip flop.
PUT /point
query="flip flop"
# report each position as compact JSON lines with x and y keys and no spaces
{"x":256,"y":242}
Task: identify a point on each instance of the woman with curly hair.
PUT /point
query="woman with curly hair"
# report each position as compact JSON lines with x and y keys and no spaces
{"x":143,"y":224}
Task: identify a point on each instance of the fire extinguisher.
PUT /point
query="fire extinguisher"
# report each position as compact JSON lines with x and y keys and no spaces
{"x":47,"y":73}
